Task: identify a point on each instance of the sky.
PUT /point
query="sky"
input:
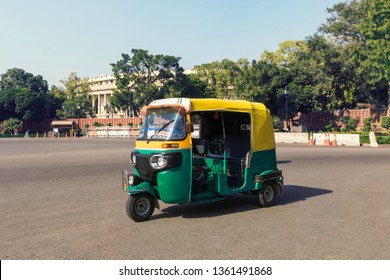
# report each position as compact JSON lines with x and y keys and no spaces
{"x":55,"y":38}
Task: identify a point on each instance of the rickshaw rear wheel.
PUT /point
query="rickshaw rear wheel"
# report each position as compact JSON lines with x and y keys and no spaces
{"x":140,"y":207}
{"x":266,"y":195}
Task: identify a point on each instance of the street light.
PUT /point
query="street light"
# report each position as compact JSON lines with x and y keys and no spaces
{"x":286,"y":92}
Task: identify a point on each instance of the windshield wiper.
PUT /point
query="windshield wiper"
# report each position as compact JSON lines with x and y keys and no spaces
{"x":164,"y":126}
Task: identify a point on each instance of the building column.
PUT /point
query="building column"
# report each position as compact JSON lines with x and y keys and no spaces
{"x":98,"y":107}
{"x":105,"y":103}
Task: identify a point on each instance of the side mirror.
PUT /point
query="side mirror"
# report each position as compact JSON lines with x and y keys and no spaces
{"x":190,"y":127}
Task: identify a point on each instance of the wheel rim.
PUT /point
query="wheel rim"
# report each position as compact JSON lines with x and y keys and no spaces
{"x":268,"y":193}
{"x":142,"y":206}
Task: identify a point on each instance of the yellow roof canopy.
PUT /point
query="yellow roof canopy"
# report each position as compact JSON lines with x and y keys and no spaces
{"x":262,"y":134}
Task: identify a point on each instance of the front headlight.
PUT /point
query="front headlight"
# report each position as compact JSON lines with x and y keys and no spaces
{"x":131,"y":179}
{"x":133,"y":159}
{"x":158,"y":162}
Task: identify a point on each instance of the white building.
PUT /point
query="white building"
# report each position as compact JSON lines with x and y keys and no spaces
{"x":102,"y":89}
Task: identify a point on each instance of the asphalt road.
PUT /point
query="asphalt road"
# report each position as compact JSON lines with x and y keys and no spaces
{"x":61,"y":199}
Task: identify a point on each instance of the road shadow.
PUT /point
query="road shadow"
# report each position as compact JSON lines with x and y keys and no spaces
{"x":283,"y":161}
{"x":293,"y":193}
{"x":238,"y":203}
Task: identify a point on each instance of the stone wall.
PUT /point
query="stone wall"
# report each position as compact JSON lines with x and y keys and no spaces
{"x":45,"y":125}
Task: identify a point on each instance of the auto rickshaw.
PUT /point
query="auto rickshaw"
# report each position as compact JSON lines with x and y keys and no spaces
{"x":201,"y":150}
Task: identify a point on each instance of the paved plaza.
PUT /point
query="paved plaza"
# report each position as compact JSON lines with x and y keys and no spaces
{"x":62,"y":199}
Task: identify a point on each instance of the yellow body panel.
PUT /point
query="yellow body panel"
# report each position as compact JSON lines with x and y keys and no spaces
{"x":169,"y":145}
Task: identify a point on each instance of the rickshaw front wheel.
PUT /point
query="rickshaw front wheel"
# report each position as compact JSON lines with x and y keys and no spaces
{"x":140,"y":207}
{"x":266,"y":195}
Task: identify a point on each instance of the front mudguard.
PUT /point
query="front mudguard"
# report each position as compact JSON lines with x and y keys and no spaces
{"x":144,"y":187}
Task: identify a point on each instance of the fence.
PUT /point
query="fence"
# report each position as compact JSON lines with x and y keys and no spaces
{"x":318,"y":120}
{"x":45,"y":125}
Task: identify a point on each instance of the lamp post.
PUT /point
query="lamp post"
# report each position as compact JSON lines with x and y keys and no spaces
{"x":286,"y":93}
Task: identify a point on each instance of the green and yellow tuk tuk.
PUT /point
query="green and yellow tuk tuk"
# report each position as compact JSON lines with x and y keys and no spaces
{"x":201,"y":150}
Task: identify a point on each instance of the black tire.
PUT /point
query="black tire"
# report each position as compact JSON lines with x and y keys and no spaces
{"x":140,"y":207}
{"x":266,"y":195}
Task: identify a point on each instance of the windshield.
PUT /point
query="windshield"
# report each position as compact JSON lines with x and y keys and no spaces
{"x":166,"y":123}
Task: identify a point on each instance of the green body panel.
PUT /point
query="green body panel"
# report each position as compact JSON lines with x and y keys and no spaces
{"x":144,"y":187}
{"x":261,"y":163}
{"x":173,"y":184}
{"x":217,"y":181}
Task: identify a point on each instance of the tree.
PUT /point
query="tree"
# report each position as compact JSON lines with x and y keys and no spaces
{"x":221,"y":77}
{"x":18,"y":78}
{"x":349,"y":123}
{"x":376,"y":29}
{"x":367,"y":124}
{"x":257,"y":81}
{"x":345,"y":22}
{"x":141,"y":78}
{"x":29,"y":104}
{"x":326,"y":71}
{"x":190,"y":86}
{"x":12,"y":125}
{"x":54,"y":99}
{"x":23,"y":95}
{"x":7,"y":103}
{"x":285,"y":55}
{"x":362,"y":26}
{"x":77,"y":101}
{"x":260,"y":82}
{"x":385,"y":122}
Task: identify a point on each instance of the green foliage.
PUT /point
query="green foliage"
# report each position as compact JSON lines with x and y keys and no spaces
{"x":190,"y":86}
{"x":362,"y":27}
{"x":364,"y":137}
{"x":349,"y":124}
{"x":277,"y":122}
{"x":18,"y":78}
{"x":25,"y":96}
{"x":255,"y":81}
{"x":380,"y":137}
{"x":346,"y":20}
{"x":29,"y":104}
{"x":12,"y":126}
{"x":383,"y":139}
{"x":221,"y":77}
{"x":385,"y":122}
{"x":367,"y":124}
{"x":97,"y":124}
{"x":330,"y":126}
{"x":7,"y":103}
{"x":143,"y":77}
{"x":77,"y":102}
{"x":345,"y":120}
{"x":376,"y":29}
